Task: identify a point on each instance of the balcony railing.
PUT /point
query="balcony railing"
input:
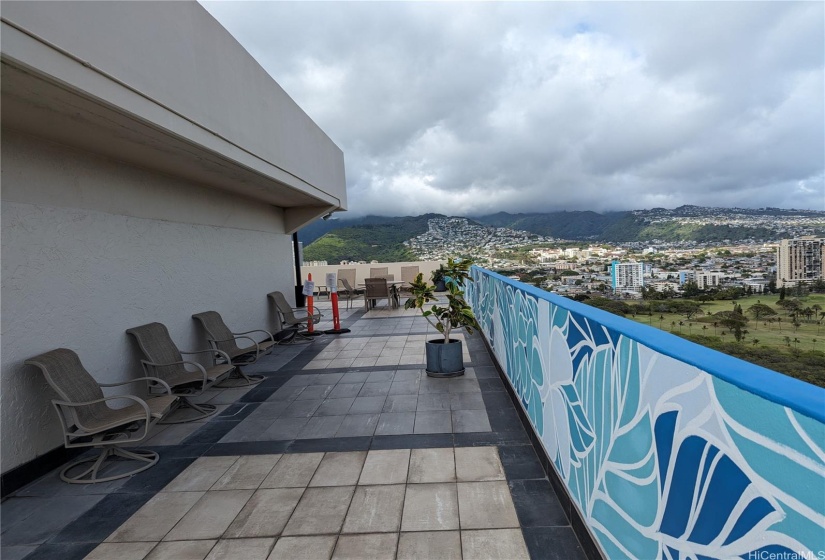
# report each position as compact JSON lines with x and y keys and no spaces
{"x":667,"y":449}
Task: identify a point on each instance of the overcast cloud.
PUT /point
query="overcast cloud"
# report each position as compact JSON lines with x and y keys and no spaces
{"x":476,"y":108}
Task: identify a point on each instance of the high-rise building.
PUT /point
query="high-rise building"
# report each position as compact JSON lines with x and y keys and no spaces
{"x":627,"y":276}
{"x":799,"y":261}
{"x":705,"y":280}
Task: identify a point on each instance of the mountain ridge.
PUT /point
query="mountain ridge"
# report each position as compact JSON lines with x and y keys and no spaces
{"x":382,"y":237}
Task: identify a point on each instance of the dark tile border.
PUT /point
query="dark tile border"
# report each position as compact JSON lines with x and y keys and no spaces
{"x":553,"y":543}
{"x":248,"y":448}
{"x":18,"y":477}
{"x":412,"y":441}
{"x":103,"y":519}
{"x":361,"y":443}
{"x":520,"y":462}
{"x":64,"y":551}
{"x":582,"y":532}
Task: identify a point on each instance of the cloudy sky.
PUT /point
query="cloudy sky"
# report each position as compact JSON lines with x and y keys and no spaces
{"x":481,"y":107}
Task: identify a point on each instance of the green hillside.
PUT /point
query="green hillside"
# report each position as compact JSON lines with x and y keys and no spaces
{"x":564,"y":225}
{"x":619,"y":227}
{"x":381,"y":238}
{"x":382,"y":241}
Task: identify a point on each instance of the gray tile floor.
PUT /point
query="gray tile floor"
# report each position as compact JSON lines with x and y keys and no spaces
{"x":404,"y":503}
{"x":321,"y":460}
{"x":361,"y":403}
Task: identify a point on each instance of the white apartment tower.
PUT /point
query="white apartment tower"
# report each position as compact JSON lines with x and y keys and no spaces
{"x":800,"y":261}
{"x":627,"y":276}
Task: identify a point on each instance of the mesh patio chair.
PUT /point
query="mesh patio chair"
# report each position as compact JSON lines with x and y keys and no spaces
{"x":377,"y":288}
{"x":165,"y":361}
{"x":224,"y":343}
{"x":347,"y":274}
{"x":346,"y":291}
{"x":292,"y":316}
{"x":379,"y":272}
{"x":408,"y":274}
{"x":88,"y":420}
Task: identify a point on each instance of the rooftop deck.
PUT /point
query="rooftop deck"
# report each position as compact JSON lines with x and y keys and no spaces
{"x":346,"y":450}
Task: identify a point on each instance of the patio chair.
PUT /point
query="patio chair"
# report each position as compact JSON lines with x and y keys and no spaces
{"x":377,"y":288}
{"x":88,"y":420}
{"x":408,"y":274}
{"x":347,"y":274}
{"x":292,"y":316}
{"x":224,"y":343}
{"x":380,"y":272}
{"x":346,"y":291}
{"x":165,"y":361}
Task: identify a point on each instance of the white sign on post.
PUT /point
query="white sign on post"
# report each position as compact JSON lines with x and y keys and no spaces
{"x":309,"y":288}
{"x":332,"y":282}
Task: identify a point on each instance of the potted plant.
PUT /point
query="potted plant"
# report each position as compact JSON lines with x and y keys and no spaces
{"x":438,"y":279}
{"x":444,"y":355}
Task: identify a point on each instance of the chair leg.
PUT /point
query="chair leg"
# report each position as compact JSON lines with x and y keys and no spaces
{"x":90,"y":475}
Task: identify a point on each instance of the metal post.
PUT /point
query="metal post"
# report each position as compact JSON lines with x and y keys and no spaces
{"x":299,"y":284}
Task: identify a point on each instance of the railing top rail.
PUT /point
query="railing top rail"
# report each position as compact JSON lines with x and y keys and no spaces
{"x":793,"y":393}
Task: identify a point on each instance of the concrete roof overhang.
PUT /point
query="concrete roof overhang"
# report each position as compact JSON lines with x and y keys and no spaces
{"x":49,"y":94}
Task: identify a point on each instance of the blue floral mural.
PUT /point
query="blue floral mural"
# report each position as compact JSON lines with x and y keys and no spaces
{"x":662,"y":459}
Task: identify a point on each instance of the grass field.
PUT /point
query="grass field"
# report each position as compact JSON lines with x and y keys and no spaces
{"x":778,"y":345}
{"x":810,"y":335}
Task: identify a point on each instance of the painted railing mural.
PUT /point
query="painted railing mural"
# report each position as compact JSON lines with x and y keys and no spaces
{"x":668,"y":449}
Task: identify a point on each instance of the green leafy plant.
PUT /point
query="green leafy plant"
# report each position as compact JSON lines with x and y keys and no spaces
{"x":457,"y":313}
{"x":438,"y":274}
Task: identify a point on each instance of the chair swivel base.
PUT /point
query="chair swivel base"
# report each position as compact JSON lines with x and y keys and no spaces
{"x":197,"y":412}
{"x":307,"y":334}
{"x":91,"y":475}
{"x":238,"y":379}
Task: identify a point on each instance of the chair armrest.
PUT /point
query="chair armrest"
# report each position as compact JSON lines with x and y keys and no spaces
{"x":214,"y":351}
{"x":267,"y":333}
{"x":209,"y":351}
{"x":303,"y":310}
{"x":255,"y":342}
{"x":216,"y":340}
{"x":152,"y":379}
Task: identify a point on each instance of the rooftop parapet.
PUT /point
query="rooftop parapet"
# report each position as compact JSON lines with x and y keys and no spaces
{"x":667,"y":449}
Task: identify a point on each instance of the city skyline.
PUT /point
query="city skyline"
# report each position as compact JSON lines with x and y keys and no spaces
{"x":476,"y":108}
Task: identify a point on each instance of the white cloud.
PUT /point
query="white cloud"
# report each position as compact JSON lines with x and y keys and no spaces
{"x":476,"y":108}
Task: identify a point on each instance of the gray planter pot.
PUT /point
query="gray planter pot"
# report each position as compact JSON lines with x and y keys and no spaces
{"x":440,"y":286}
{"x":444,"y":360}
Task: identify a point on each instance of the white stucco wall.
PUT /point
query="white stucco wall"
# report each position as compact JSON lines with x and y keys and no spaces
{"x":362,"y":271}
{"x":91,"y":247}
